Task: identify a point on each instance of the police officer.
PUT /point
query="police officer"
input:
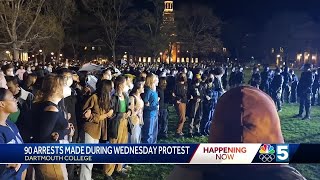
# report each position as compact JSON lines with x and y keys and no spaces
{"x":266,"y":78}
{"x":286,"y":88}
{"x":305,"y":91}
{"x":232,"y":77}
{"x":225,"y":78}
{"x":276,"y":88}
{"x":255,"y":80}
{"x":239,"y":78}
{"x":315,"y":88}
{"x":294,"y":85}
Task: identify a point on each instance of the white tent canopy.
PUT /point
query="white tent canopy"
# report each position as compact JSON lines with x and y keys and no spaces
{"x":90,"y":67}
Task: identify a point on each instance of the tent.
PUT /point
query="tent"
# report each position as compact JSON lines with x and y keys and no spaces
{"x":89,"y":67}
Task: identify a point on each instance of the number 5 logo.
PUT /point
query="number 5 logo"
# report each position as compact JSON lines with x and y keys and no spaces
{"x":282,"y":153}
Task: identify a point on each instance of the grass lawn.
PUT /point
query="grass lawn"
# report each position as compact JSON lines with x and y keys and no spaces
{"x":294,"y":131}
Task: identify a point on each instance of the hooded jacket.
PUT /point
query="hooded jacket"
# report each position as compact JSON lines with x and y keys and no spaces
{"x":243,"y":115}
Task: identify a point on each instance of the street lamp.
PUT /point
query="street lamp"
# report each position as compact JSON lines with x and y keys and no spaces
{"x":40,"y":51}
{"x":8,"y":52}
{"x":278,"y":56}
{"x":61,"y":55}
{"x":52,"y":53}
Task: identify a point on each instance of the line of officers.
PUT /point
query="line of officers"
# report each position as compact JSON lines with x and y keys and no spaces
{"x":284,"y":86}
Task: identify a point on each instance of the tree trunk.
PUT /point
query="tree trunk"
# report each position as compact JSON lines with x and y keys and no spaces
{"x":16,"y":52}
{"x":114,"y":54}
{"x":44,"y":56}
{"x":75,"y":55}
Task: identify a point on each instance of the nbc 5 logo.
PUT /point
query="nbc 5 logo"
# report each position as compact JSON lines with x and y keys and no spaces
{"x":282,"y":153}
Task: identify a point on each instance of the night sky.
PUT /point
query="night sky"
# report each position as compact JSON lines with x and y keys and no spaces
{"x":256,"y":12}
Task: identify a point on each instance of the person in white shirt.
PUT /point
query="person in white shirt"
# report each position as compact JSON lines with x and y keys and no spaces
{"x":20,"y":72}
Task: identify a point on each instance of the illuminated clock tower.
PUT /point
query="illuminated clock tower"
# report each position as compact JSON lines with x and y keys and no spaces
{"x":168,"y":14}
{"x":169,"y":28}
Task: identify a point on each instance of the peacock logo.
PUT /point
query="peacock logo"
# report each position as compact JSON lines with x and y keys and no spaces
{"x":266,"y":149}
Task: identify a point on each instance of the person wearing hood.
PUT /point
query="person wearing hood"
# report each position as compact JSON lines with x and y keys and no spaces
{"x":243,"y":115}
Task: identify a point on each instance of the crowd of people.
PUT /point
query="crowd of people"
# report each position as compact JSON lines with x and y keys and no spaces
{"x":55,"y":104}
{"x":284,"y":86}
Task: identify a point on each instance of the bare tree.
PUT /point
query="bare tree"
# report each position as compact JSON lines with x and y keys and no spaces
{"x":18,"y":18}
{"x":63,"y":11}
{"x":112,"y":15}
{"x":199,"y":29}
{"x":148,"y":28}
{"x":26,"y":23}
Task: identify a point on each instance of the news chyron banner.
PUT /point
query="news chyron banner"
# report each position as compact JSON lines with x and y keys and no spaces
{"x":159,"y":153}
